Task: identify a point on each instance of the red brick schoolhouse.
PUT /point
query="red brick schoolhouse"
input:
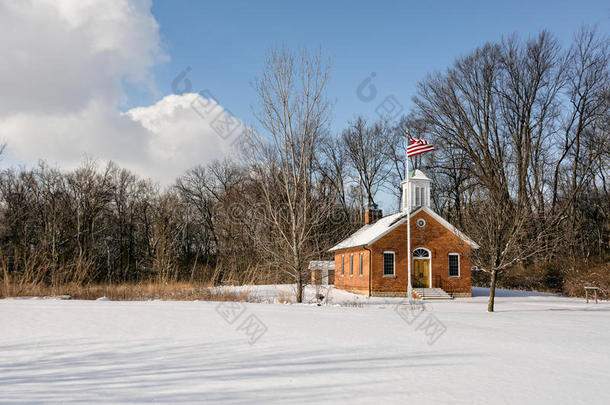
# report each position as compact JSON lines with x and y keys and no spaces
{"x":373,"y":260}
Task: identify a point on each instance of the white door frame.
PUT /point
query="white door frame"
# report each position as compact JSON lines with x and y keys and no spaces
{"x":429,"y":258}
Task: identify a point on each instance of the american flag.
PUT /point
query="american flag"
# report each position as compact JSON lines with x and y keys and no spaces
{"x":418,"y":146}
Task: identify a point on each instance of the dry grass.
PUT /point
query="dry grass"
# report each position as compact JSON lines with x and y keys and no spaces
{"x":176,"y":291}
{"x":595,"y":275}
{"x":286,"y":298}
{"x":558,"y":277}
{"x":36,"y":278}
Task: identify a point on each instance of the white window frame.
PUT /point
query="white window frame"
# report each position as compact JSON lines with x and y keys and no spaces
{"x":361,"y":272}
{"x":342,"y":265}
{"x":351,"y":265}
{"x":449,"y":265}
{"x":420,"y":196}
{"x":393,"y":263}
{"x":422,"y":248}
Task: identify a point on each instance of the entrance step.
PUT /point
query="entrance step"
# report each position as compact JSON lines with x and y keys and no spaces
{"x":432,"y":294}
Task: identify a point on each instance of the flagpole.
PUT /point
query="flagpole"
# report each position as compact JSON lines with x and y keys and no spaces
{"x":408,"y":200}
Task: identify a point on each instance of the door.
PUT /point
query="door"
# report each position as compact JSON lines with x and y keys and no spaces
{"x":421,"y":273}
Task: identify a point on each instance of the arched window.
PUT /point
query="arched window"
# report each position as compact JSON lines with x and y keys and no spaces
{"x":421,"y":253}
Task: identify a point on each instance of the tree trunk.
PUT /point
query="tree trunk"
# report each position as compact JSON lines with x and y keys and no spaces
{"x":492,"y":291}
{"x":299,"y":288}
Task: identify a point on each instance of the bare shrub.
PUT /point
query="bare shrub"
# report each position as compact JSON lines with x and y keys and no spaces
{"x":588,"y":275}
{"x":171,"y":291}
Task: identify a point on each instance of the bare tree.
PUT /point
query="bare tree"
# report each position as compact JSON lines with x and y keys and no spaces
{"x":584,"y":124}
{"x":367,"y":152}
{"x":334,"y":168}
{"x":523,"y":155}
{"x":294,"y":114}
{"x":497,"y":107}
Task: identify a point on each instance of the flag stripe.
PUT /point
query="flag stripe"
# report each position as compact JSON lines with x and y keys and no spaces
{"x":411,"y":154}
{"x":418,"y":146}
{"x":420,"y":141}
{"x":411,"y":147}
{"x":413,"y":150}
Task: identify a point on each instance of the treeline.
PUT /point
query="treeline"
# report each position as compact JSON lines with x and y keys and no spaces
{"x":521,"y":130}
{"x":104,"y":224}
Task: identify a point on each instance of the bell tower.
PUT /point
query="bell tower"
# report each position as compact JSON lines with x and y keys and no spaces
{"x":419,"y":195}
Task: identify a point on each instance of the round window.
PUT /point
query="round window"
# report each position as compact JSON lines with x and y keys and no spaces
{"x":421,"y":222}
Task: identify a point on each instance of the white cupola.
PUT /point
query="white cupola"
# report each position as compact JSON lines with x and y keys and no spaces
{"x":420,"y":190}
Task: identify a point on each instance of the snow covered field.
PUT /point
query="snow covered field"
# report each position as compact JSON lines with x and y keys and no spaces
{"x":534,"y":349}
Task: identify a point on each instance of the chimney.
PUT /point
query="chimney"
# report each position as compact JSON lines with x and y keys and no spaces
{"x":372,"y":214}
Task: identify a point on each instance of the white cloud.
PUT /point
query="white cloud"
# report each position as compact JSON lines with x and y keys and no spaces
{"x":184,"y":131}
{"x":61,"y":78}
{"x":160,"y":141}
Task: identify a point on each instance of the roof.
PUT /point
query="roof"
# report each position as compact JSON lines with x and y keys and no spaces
{"x":370,"y":233}
{"x":321,"y":265}
{"x":418,"y":175}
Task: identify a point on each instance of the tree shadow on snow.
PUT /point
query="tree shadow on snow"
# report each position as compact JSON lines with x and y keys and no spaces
{"x":221,"y":371}
{"x":501,"y":293}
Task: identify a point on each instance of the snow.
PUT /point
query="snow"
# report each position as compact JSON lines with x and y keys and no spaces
{"x":370,"y":233}
{"x":537,"y":348}
{"x":321,"y":265}
{"x":418,"y":175}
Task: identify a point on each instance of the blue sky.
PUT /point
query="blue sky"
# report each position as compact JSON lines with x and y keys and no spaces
{"x":93,"y":79}
{"x":225,"y":43}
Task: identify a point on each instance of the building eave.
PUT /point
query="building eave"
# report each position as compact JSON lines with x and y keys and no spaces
{"x":401,"y":220}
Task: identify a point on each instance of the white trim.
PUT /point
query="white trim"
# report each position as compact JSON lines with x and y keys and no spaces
{"x":423,"y":248}
{"x":351,"y":265}
{"x":390,"y":229}
{"x":393,"y":264}
{"x":342,"y":265}
{"x":449,"y":265}
{"x":434,"y":215}
{"x":452,"y":228}
{"x":429,"y":258}
{"x":361,"y":265}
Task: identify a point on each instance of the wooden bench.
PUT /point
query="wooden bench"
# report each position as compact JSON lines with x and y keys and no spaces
{"x":587,"y":289}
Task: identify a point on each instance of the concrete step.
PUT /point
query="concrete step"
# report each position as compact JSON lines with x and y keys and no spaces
{"x":432,"y":294}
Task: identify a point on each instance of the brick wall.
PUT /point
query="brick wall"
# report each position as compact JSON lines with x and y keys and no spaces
{"x":434,"y":237}
{"x":355,"y":282}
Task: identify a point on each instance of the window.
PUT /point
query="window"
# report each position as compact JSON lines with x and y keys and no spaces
{"x":361,"y":269}
{"x":420,"y":196}
{"x":343,"y":265}
{"x":421,"y":253}
{"x":454,"y":265}
{"x":351,"y":265}
{"x":388,"y":263}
